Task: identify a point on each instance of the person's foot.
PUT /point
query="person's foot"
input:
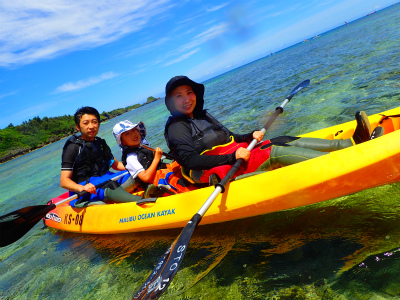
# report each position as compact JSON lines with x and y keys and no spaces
{"x":363,"y":129}
{"x":378,"y":131}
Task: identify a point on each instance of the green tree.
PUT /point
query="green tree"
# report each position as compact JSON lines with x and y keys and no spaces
{"x":36,"y":132}
{"x":151,"y":99}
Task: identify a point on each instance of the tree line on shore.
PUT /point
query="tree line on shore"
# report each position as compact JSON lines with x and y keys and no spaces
{"x":37,"y":132}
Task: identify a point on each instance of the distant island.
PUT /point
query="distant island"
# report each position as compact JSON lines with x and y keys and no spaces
{"x":36,"y":133}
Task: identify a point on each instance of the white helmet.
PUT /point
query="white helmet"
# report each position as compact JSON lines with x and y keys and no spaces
{"x":126,"y":125}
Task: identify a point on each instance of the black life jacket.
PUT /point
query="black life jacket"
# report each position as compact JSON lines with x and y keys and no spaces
{"x":93,"y":159}
{"x":145,"y":156}
{"x":207,"y":132}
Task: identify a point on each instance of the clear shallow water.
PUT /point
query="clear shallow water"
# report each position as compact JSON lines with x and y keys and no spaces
{"x":345,"y":248}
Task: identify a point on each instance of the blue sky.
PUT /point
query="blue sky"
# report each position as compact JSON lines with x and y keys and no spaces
{"x":59,"y":55}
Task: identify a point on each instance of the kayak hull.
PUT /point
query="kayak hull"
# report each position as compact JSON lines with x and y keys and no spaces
{"x":370,"y":164}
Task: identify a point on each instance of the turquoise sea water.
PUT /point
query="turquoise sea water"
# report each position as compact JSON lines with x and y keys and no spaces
{"x":345,"y":248}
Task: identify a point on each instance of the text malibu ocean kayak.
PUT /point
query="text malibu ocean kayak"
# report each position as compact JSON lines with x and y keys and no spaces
{"x":339,"y":173}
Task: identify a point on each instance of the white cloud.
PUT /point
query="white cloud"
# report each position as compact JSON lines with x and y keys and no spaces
{"x":44,"y":29}
{"x":209,"y":34}
{"x":215,"y":8}
{"x":8,"y":94}
{"x":73,"y":86}
{"x":146,"y":47}
{"x":182,"y":57}
{"x":284,"y":11}
{"x":212,"y":32}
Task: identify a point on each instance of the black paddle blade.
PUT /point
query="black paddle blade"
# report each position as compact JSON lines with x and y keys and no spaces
{"x":166,"y":268}
{"x":16,"y":224}
{"x":300,"y":86}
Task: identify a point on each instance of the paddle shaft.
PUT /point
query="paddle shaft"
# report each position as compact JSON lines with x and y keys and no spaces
{"x":154,"y":150}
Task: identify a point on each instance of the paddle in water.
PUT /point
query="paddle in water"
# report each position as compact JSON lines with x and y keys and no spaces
{"x":166,"y":268}
{"x":16,"y":224}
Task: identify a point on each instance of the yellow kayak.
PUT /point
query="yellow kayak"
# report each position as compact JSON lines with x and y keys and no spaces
{"x":339,"y":173}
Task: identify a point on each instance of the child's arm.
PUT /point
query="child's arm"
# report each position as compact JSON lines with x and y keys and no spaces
{"x":118,"y":165}
{"x":147,"y":175}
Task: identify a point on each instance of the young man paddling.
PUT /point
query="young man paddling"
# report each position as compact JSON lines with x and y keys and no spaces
{"x":206,"y":149}
{"x":86,"y":160}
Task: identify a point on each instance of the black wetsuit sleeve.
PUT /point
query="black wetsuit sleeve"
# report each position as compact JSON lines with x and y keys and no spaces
{"x":69,"y":154}
{"x":182,"y":146}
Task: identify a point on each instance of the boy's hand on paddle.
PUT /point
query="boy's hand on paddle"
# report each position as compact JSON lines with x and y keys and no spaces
{"x":90,"y":188}
{"x":258,"y":135}
{"x":242,"y":153}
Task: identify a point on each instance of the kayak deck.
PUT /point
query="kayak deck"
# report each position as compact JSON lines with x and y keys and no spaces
{"x":339,"y":173}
